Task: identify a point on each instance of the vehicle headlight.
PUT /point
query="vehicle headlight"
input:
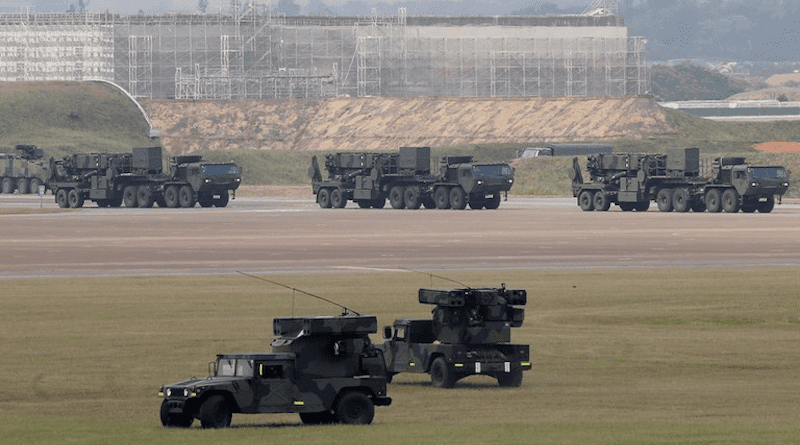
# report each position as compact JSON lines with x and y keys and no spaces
{"x":168,"y":392}
{"x":186,"y":392}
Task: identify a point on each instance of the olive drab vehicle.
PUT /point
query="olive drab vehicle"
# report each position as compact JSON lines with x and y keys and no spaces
{"x":22,"y":172}
{"x":138,"y":179}
{"x":674,"y":181}
{"x":469,"y":334}
{"x":323,"y":368}
{"x":406,"y":180}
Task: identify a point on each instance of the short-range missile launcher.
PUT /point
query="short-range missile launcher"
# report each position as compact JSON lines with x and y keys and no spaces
{"x":326,"y":369}
{"x":468,"y":334}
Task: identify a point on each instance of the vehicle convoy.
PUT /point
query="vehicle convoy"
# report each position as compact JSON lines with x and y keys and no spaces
{"x":323,"y":368}
{"x":138,"y":179}
{"x":469,"y":334}
{"x":405,"y":178}
{"x":27,"y":176}
{"x":673,"y":180}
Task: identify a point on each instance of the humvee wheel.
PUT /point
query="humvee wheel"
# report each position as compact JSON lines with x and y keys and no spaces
{"x":511,"y":379}
{"x":586,"y":201}
{"x":319,"y":418}
{"x":215,"y":413}
{"x":441,"y":375}
{"x":355,"y":408}
{"x":174,"y":420}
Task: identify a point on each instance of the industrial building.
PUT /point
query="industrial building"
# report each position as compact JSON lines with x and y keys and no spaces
{"x":252,"y":53}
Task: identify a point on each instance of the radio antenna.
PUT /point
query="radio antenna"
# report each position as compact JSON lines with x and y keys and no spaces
{"x":344,"y":308}
{"x":437,"y":276}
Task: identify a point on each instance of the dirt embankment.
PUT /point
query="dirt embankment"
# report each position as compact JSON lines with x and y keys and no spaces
{"x":367,"y":124}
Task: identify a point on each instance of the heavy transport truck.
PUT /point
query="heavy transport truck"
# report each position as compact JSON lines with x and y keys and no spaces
{"x":406,"y":179}
{"x":323,"y":368}
{"x":674,"y":182}
{"x":21,"y":172}
{"x":469,"y":334}
{"x":138,"y":179}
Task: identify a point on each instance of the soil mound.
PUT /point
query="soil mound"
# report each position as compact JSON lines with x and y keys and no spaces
{"x":779,"y":147}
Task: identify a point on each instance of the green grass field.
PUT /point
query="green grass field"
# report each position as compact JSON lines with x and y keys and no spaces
{"x":636,"y":356}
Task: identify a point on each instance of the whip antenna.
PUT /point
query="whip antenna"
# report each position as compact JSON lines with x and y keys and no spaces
{"x":437,"y":276}
{"x":345,"y":308}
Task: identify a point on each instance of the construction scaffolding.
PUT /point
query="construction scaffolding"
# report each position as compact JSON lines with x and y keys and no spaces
{"x":251,"y":53}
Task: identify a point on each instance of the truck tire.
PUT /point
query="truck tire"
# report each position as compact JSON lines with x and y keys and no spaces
{"x":379,"y":202}
{"x":186,"y":197}
{"x":511,"y":379}
{"x":23,"y":186}
{"x":698,"y":204}
{"x":441,"y":196}
{"x":34,"y":185}
{"x":61,"y":198}
{"x":174,"y":420}
{"x":355,"y":408}
{"x":338,"y":201}
{"x":7,"y":186}
{"x":600,"y":201}
{"x":75,"y":199}
{"x":129,"y":196}
{"x":223,"y":199}
{"x":171,"y":197}
{"x":428,"y":201}
{"x":664,"y":200}
{"x":642,"y":206}
{"x":441,"y":375}
{"x":205,"y":199}
{"x":458,"y":199}
{"x":411,"y":198}
{"x":586,"y":201}
{"x":493,"y":203}
{"x":766,"y":206}
{"x":396,"y":197}
{"x":730,"y":201}
{"x":324,"y":198}
{"x":144,"y":197}
{"x":319,"y":418}
{"x":681,"y":200}
{"x":215,"y":413}
{"x":713,"y":200}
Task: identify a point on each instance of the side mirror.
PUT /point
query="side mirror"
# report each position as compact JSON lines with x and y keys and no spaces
{"x":387,"y":332}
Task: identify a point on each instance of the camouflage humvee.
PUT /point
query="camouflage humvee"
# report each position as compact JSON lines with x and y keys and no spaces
{"x":469,"y":333}
{"x":323,"y":368}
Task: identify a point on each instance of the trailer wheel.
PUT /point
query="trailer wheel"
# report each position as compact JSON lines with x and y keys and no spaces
{"x":713,"y":200}
{"x":129,"y":196}
{"x":767,"y":206}
{"x":324,"y":198}
{"x":338,"y":201}
{"x":586,"y":201}
{"x":681,"y":200}
{"x":7,"y":186}
{"x":664,"y":200}
{"x":61,"y":198}
{"x":493,"y":203}
{"x":22,"y":186}
{"x":186,"y":197}
{"x":396,"y":197}
{"x":144,"y":198}
{"x":458,"y":199}
{"x":171,"y":197}
{"x":600,"y":201}
{"x":441,"y":196}
{"x":730,"y":201}
{"x":75,"y":199}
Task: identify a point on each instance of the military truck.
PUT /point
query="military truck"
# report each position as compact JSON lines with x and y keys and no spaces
{"x":674,"y":182}
{"x":323,"y":368}
{"x":138,"y":179}
{"x":21,"y":172}
{"x":469,"y":334}
{"x":405,"y":178}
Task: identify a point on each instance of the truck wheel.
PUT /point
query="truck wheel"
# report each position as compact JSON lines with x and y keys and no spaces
{"x":379,"y":203}
{"x":698,"y":205}
{"x":601,"y":202}
{"x":215,"y":413}
{"x":355,"y":408}
{"x":8,"y":186}
{"x":664,"y":200}
{"x":586,"y":201}
{"x":730,"y":201}
{"x":324,"y":198}
{"x":129,"y":196}
{"x":320,"y":418}
{"x":186,"y":197}
{"x":144,"y":198}
{"x":223,"y":199}
{"x":681,"y":200}
{"x":171,"y":197}
{"x":441,"y":375}
{"x":642,"y":206}
{"x":61,"y":198}
{"x":441,"y":196}
{"x":205,"y":199}
{"x":34,"y":185}
{"x":411,"y":198}
{"x":428,"y":201}
{"x":458,"y":199}
{"x":713,"y":200}
{"x":22,"y":186}
{"x":626,"y":206}
{"x":174,"y":420}
{"x":767,"y":206}
{"x":494,"y":202}
{"x":75,"y":199}
{"x":511,"y":379}
{"x":396,"y":197}
{"x":338,"y":201}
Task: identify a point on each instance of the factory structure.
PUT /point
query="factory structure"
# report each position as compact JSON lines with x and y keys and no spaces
{"x":253,"y":53}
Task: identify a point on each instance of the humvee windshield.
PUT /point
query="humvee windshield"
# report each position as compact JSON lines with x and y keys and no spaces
{"x":231,"y":367}
{"x":767,"y":172}
{"x":492,"y":170}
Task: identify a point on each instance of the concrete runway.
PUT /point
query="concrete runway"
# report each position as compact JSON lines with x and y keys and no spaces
{"x":273,"y":235}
